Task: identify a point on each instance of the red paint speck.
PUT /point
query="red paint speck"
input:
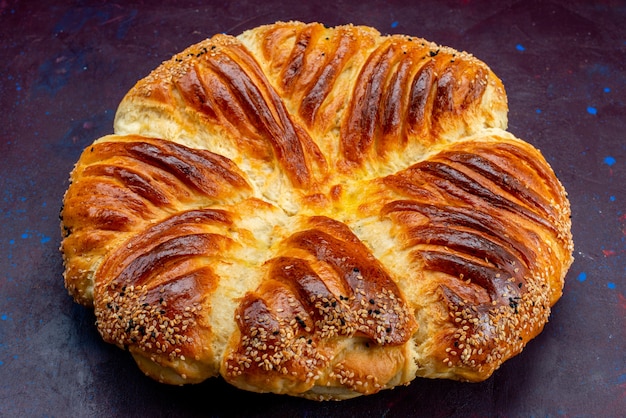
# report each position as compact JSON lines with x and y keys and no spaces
{"x":608,"y":253}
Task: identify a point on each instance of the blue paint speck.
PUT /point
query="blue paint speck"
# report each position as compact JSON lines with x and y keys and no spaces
{"x":592,"y":110}
{"x":394,"y":24}
{"x":11,"y":241}
{"x":24,"y":235}
{"x":4,"y":317}
{"x":538,"y":111}
{"x":582,"y":277}
{"x":610,"y":285}
{"x":612,"y":198}
{"x":607,"y":90}
{"x":520,"y":47}
{"x":45,"y":239}
{"x":609,"y":160}
{"x":621,"y":378}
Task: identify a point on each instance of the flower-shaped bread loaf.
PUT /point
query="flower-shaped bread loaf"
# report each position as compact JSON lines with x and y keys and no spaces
{"x":321,"y":212}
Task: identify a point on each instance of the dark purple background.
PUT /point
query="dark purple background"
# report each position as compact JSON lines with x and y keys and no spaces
{"x":64,"y":67}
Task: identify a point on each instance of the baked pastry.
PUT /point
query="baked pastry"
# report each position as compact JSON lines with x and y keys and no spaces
{"x":320,"y":212}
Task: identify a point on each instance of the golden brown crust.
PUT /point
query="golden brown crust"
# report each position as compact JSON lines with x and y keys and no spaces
{"x":321,"y":212}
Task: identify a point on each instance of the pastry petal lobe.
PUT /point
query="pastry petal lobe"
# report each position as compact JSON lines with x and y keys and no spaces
{"x":312,"y":306}
{"x":319,"y":212}
{"x":493,"y":242}
{"x":159,"y":280}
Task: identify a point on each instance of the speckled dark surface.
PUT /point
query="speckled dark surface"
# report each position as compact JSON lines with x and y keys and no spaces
{"x":64,"y":66}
